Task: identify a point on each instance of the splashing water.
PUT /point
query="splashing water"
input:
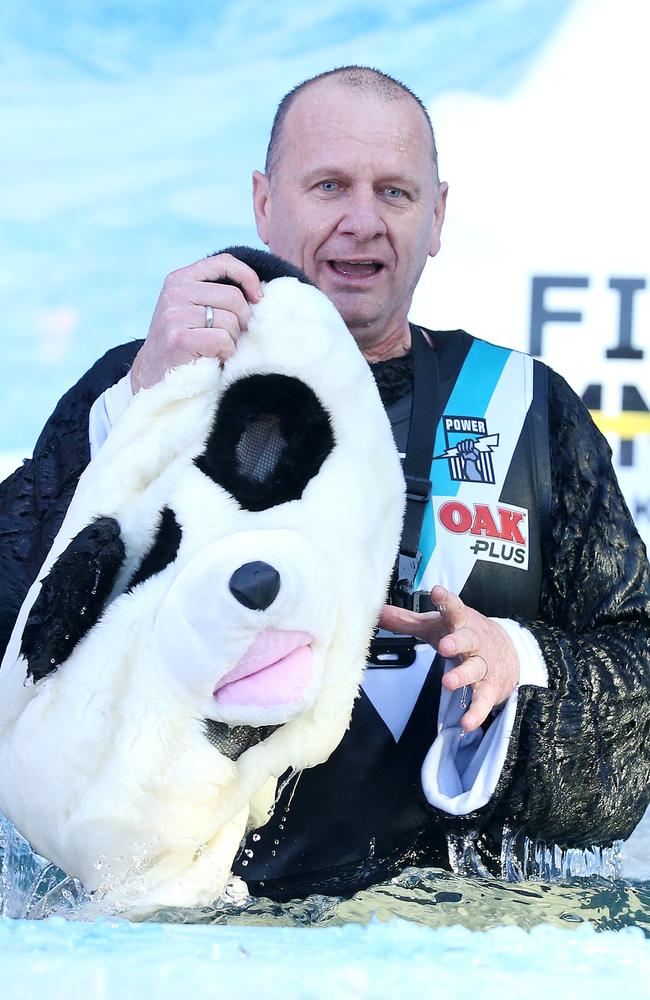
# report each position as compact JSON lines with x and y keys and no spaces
{"x":31,"y":886}
{"x":523,"y":859}
{"x":538,"y":884}
{"x":396,"y":938}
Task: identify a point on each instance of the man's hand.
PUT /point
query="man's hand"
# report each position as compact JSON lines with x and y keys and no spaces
{"x":489,"y":660}
{"x":178,"y":332}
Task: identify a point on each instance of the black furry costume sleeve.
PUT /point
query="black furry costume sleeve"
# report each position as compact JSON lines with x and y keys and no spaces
{"x":33,"y":500}
{"x":577,"y":772}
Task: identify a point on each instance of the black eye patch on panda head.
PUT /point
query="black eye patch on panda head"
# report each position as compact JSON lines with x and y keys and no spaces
{"x":269,"y":439}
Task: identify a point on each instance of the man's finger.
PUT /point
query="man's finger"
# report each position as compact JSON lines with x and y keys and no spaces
{"x":221,"y":320}
{"x":427,"y":626}
{"x":470,"y":671}
{"x":483,"y":701}
{"x":214,"y":343}
{"x":451,"y":607}
{"x":224,"y":265}
{"x":462,"y":641}
{"x":225,"y":298}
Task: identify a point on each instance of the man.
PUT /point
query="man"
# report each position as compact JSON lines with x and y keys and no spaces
{"x":556,"y":714}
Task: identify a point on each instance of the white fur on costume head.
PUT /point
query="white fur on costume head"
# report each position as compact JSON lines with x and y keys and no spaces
{"x":243,"y":562}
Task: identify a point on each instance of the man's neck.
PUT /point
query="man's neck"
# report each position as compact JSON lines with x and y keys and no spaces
{"x":395,"y":345}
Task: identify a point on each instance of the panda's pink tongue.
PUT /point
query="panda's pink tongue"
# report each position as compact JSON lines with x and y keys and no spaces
{"x":275,"y":670}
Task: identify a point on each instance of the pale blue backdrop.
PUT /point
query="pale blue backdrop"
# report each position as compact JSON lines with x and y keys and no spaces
{"x":129,"y":131}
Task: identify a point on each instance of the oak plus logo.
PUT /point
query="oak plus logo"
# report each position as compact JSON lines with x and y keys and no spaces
{"x":469,"y":449}
{"x":491,"y":532}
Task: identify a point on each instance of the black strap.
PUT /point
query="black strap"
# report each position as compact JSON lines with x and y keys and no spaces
{"x":388,"y":649}
{"x":419,"y":447}
{"x":540,"y":425}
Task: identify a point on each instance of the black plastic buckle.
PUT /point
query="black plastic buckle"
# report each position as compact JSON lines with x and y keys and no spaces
{"x":418,"y":488}
{"x":407,"y":567}
{"x":421,"y":601}
{"x":401,"y":591}
{"x":389,"y":650}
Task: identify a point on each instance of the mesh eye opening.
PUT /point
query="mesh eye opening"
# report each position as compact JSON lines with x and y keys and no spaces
{"x":270,"y":436}
{"x":260,"y":448}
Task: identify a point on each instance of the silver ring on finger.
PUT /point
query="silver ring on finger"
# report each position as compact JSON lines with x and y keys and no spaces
{"x":477,"y":656}
{"x":209,"y":317}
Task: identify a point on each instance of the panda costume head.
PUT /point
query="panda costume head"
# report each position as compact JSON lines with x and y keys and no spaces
{"x":202,"y":621}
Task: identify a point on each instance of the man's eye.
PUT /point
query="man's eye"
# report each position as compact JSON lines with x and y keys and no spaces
{"x":393,"y":193}
{"x":328,"y":186}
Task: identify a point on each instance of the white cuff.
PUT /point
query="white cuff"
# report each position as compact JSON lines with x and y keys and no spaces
{"x":532,"y":668}
{"x":461,"y":770}
{"x":106,"y":410}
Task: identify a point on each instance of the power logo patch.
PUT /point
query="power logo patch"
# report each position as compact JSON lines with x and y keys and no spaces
{"x":469,"y":449}
{"x":495,"y":533}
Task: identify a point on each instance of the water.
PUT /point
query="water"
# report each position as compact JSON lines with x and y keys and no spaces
{"x":421,"y":928}
{"x":32,"y":888}
{"x":116,"y":959}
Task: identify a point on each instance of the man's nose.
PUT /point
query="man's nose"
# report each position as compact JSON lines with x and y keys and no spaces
{"x":255,"y":585}
{"x":363,"y":217}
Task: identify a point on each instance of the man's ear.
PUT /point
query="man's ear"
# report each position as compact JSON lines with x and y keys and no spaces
{"x":439,"y":218}
{"x":262,"y":205}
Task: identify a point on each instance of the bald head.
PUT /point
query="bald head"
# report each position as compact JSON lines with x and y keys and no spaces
{"x":351,"y":196}
{"x":359,"y":80}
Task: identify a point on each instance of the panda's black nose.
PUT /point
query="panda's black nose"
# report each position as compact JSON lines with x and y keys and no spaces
{"x":255,"y":585}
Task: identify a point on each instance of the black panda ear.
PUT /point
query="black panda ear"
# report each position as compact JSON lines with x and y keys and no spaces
{"x":266,"y":265}
{"x":164,"y":548}
{"x":73,"y":596}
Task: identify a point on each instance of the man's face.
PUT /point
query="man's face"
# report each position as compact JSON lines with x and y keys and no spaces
{"x":352,"y":201}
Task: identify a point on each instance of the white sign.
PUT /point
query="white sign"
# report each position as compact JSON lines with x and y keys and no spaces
{"x":545,"y":246}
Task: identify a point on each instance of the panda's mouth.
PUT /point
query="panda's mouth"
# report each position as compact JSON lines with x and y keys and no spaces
{"x":233,"y":741}
{"x":275,"y":670}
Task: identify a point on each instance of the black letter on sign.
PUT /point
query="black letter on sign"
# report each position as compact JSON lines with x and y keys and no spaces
{"x":626,"y":287}
{"x":539,"y":314}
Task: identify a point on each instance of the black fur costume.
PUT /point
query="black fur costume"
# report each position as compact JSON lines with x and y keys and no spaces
{"x":578,"y":765}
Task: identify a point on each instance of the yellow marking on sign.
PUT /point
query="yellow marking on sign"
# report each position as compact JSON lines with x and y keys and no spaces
{"x":627,"y":425}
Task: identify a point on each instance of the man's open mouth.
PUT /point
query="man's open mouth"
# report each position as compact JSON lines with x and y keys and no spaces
{"x":356,"y":268}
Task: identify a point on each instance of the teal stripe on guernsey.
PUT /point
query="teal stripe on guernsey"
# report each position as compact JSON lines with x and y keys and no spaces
{"x":470,"y":397}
